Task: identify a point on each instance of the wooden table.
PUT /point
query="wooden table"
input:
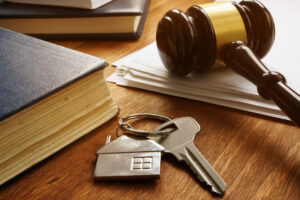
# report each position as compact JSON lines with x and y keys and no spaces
{"x":258,"y":157}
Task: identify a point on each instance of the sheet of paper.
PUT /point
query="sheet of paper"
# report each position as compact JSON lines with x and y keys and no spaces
{"x":241,"y":106}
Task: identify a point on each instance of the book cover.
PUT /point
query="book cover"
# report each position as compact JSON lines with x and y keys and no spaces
{"x":32,"y":69}
{"x":118,"y":19}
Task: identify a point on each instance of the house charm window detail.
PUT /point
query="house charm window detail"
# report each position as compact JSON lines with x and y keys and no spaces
{"x":142,"y":163}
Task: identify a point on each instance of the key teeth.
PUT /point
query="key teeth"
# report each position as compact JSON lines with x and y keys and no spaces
{"x":207,"y":184}
{"x":215,"y":191}
{"x":203,"y":179}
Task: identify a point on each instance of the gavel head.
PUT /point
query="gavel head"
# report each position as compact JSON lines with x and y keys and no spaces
{"x":195,"y":39}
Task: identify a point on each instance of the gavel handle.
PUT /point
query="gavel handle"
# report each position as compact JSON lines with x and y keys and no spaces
{"x":270,"y":85}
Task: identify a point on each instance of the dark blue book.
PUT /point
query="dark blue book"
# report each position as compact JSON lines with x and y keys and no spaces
{"x":118,"y":19}
{"x":49,"y":97}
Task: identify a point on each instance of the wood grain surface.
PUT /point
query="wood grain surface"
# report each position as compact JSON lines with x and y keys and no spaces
{"x":258,"y":157}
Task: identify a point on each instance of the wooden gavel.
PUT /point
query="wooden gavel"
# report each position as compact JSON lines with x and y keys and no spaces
{"x":235,"y":34}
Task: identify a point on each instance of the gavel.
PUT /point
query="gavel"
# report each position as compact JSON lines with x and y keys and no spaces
{"x":235,"y":34}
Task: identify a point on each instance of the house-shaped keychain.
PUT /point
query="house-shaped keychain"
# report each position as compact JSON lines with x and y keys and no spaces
{"x":128,"y":158}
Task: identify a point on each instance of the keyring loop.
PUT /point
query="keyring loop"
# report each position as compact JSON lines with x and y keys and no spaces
{"x":128,"y":129}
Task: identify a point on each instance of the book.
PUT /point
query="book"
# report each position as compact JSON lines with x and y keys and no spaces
{"x":144,"y":69}
{"x":50,"y":96}
{"x":118,"y":19}
{"x":86,"y":4}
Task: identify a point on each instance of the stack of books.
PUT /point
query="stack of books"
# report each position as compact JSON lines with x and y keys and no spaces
{"x":144,"y":69}
{"x":51,"y":96}
{"x":73,"y":19}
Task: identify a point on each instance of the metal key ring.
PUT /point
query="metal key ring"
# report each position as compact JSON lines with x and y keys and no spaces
{"x":128,"y":129}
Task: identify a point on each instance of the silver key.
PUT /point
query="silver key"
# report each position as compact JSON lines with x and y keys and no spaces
{"x":180,"y":144}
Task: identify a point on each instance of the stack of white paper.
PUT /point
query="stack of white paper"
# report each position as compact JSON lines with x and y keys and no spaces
{"x":144,"y":69}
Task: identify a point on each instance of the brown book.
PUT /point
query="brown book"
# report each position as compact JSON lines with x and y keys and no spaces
{"x":118,"y":19}
{"x":50,"y":96}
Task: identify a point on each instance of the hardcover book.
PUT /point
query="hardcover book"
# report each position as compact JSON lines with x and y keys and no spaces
{"x":49,"y":97}
{"x":118,"y":19}
{"x":86,"y":4}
